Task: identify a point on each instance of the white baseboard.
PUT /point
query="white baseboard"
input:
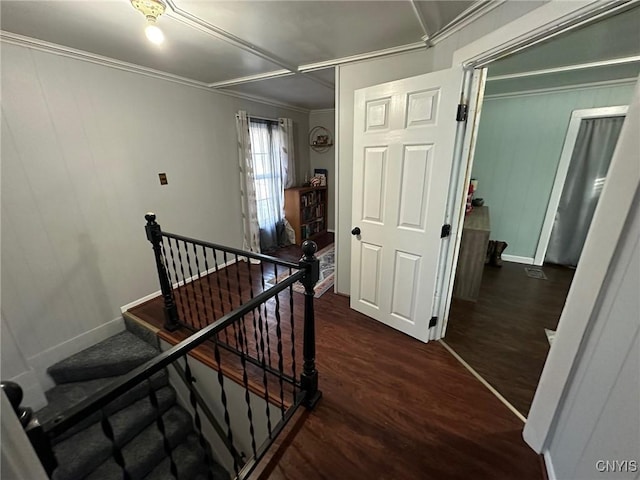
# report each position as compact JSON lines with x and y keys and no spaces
{"x":33,"y":392}
{"x":157,"y":293}
{"x":330,"y":230}
{"x":549,"y":465}
{"x":517,"y":259}
{"x":43,"y":360}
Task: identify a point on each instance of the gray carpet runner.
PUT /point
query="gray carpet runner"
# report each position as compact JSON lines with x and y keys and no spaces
{"x":84,"y":452}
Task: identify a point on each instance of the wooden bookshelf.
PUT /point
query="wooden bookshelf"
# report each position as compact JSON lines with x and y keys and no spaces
{"x":306,"y":210}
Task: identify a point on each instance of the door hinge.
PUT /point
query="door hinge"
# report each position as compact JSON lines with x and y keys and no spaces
{"x":445,"y":231}
{"x":461,"y":114}
{"x":433,"y":322}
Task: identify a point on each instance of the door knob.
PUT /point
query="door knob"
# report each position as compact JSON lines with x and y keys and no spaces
{"x":355,"y":231}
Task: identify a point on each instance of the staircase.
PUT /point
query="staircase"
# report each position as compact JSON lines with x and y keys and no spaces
{"x":85,"y":451}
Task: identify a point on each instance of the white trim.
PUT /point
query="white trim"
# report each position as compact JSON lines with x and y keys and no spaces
{"x":470,"y":15}
{"x":423,"y":24}
{"x":63,"y":51}
{"x":60,"y":50}
{"x":579,"y":86}
{"x":540,"y":24}
{"x":623,"y":181}
{"x":181,"y":283}
{"x":495,"y":392}
{"x":551,"y":473}
{"x":322,"y":110}
{"x":336,"y":196}
{"x":251,"y":78}
{"x":546,"y":22}
{"x":517,"y":259}
{"x":563,"y":167}
{"x":309,"y":67}
{"x":568,"y":68}
{"x":43,"y":360}
{"x":457,"y":194}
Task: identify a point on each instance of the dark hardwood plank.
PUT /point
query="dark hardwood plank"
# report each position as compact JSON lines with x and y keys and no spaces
{"x":392,"y":407}
{"x":502,"y":334}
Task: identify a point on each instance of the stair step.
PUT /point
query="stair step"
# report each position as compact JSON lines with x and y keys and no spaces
{"x":65,"y":396}
{"x":146,"y":450}
{"x":114,"y":356}
{"x":189,"y":458}
{"x":85,"y":451}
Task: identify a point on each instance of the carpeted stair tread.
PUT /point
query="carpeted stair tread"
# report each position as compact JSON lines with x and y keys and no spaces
{"x":86,"y":450}
{"x":146,"y":450}
{"x":189,"y":458}
{"x":65,"y":396}
{"x":114,"y":356}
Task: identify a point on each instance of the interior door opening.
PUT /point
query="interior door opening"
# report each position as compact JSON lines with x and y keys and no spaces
{"x":537,"y":177}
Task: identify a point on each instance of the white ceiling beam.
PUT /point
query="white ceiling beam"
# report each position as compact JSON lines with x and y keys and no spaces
{"x":251,"y":78}
{"x":423,"y":24}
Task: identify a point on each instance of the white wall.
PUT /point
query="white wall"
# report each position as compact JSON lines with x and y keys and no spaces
{"x":82,"y":146}
{"x":326,"y":160}
{"x":351,"y":77}
{"x":599,"y":418}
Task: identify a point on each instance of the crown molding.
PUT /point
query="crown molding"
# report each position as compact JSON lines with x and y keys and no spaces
{"x":322,"y":110}
{"x":564,"y":88}
{"x":251,"y":78}
{"x":310,"y":67}
{"x":62,"y":51}
{"x":263,"y":100}
{"x":567,"y":68}
{"x":470,"y":15}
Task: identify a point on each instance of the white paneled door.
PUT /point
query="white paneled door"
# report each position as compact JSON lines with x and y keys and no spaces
{"x":404,"y":135}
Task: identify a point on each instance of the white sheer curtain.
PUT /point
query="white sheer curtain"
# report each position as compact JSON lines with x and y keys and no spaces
{"x":250,"y":226}
{"x":268,"y":181}
{"x":287,"y":152}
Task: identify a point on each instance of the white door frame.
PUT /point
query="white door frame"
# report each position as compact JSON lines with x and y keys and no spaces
{"x":543,"y":23}
{"x":563,"y":167}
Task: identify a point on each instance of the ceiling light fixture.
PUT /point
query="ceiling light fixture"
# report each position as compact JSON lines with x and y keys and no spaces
{"x":151,"y":9}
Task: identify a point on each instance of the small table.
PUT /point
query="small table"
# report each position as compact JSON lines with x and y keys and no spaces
{"x":473,"y":252}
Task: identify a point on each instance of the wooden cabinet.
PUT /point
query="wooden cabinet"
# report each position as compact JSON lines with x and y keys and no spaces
{"x":306,"y":210}
{"x":473,"y":252}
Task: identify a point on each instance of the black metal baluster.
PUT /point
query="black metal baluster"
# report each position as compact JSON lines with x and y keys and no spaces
{"x":247,"y":396}
{"x":253,"y":315}
{"x":233,"y":324}
{"x":215,"y":261}
{"x":161,"y":428}
{"x":115,"y":448}
{"x":243,"y":324}
{"x":200,"y":282}
{"x":266,"y":317}
{"x":193,"y":286}
{"x":184,"y":286}
{"x":280,"y":358}
{"x":178,"y":289}
{"x":223,"y":398}
{"x":264,"y":369}
{"x":209,"y":289}
{"x":196,"y":416}
{"x":293,"y":338}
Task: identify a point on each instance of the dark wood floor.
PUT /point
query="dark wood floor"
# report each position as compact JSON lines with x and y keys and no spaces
{"x":502,"y":335}
{"x":293,"y":253}
{"x":395,"y":408}
{"x":392,"y":407}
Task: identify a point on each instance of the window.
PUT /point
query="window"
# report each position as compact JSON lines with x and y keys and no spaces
{"x":267,"y":171}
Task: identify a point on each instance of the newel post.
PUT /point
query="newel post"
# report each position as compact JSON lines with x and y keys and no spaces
{"x":309,"y":377}
{"x":154,"y":235}
{"x":32,"y":427}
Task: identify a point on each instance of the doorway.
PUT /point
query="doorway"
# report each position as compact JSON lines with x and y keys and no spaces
{"x":506,"y":331}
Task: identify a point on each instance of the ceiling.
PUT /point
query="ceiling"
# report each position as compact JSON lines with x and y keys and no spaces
{"x":284,"y":51}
